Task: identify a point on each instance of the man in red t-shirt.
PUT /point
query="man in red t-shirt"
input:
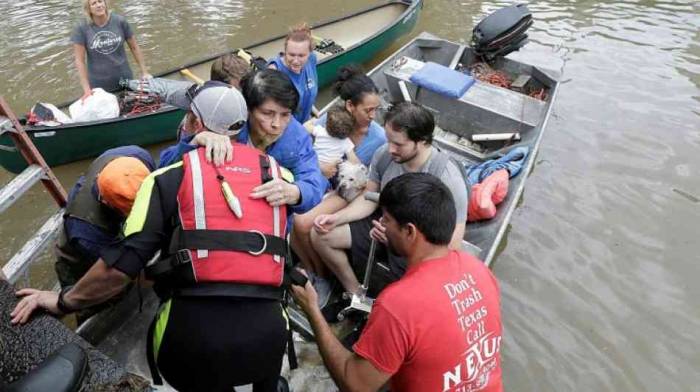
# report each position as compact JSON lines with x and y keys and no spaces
{"x":438,"y":328}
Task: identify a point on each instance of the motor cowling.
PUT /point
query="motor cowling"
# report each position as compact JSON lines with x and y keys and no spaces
{"x":502,"y":32}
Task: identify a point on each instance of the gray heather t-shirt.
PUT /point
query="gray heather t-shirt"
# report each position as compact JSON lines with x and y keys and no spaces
{"x":106,"y":56}
{"x":451,"y":177}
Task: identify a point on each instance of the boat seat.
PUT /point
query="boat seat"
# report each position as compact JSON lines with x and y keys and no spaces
{"x":62,"y":371}
{"x":483,"y":108}
{"x":442,"y":80}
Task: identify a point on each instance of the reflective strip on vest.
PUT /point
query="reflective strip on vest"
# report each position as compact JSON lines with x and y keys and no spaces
{"x":198,"y":196}
{"x":276,"y":210}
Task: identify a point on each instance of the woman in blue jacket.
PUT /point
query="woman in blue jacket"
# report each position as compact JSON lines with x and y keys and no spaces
{"x":271,"y":128}
{"x":298,"y":61}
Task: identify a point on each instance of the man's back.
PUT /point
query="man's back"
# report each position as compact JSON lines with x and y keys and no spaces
{"x":438,"y":328}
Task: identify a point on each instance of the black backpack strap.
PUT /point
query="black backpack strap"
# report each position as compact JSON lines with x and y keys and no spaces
{"x":150,"y":355}
{"x":291,"y":350}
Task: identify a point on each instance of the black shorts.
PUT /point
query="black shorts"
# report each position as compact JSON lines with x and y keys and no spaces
{"x":215,"y":343}
{"x":388,"y":266}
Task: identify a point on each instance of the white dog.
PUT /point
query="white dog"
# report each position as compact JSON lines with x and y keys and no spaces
{"x":352,"y":179}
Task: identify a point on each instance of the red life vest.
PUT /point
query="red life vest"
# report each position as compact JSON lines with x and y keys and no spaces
{"x":222,"y":246}
{"x":486,"y":195}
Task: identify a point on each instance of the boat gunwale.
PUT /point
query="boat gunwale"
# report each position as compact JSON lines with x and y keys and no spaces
{"x":525,"y":173}
{"x":410,"y":6}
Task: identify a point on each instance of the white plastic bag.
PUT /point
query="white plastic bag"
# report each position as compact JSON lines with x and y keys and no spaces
{"x":59,"y":117}
{"x":101,"y":105}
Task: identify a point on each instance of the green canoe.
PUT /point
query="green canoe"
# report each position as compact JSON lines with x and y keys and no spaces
{"x":362,"y":35}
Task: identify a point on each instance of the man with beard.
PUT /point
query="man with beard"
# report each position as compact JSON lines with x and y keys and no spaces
{"x":409,"y":131}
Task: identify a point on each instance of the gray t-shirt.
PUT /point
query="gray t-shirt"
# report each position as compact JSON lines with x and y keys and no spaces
{"x":451,"y":177}
{"x":106,"y":56}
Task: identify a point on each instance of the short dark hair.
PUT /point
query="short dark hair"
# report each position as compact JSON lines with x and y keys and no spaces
{"x":228,"y":68}
{"x":339,"y":122}
{"x":257,"y":86}
{"x":413,"y":119}
{"x":353,"y":84}
{"x":421,"y":199}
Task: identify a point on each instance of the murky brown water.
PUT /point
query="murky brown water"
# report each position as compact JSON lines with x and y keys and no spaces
{"x":599,"y":275}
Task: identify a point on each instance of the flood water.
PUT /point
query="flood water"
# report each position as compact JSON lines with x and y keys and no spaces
{"x":600,"y":267}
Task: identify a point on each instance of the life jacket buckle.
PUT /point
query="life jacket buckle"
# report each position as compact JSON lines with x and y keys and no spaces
{"x":182,"y":256}
{"x":264,"y":244}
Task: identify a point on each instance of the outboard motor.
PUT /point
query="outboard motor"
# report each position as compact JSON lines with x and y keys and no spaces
{"x":502,"y":32}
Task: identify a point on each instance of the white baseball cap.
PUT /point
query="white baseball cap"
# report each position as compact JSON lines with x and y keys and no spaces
{"x":221,"y":109}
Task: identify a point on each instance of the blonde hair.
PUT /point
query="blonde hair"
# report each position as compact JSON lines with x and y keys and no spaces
{"x":300,"y":33}
{"x":86,"y":9}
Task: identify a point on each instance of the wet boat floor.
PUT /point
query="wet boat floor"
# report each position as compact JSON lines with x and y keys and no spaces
{"x":120,"y":333}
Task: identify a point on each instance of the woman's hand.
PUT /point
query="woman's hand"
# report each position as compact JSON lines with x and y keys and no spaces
{"x":277,"y":192}
{"x":218,"y":147}
{"x":34,"y":299}
{"x":85,"y":96}
{"x":145,"y":75}
{"x":329,"y":169}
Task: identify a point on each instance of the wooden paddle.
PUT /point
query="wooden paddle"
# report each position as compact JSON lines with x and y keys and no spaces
{"x":245,"y":56}
{"x":189,"y":75}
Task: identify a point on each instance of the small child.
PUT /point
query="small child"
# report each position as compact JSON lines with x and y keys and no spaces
{"x":332,"y":142}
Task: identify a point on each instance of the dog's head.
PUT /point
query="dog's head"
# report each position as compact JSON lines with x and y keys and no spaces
{"x":352,"y":178}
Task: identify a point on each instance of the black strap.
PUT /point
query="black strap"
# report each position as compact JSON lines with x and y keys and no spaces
{"x":215,"y":289}
{"x":265,"y":175}
{"x":167,"y":265}
{"x":291,"y":350}
{"x":150,"y":355}
{"x":242,"y":241}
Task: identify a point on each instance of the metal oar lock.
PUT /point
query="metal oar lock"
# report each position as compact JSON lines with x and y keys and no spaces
{"x":360,"y":302}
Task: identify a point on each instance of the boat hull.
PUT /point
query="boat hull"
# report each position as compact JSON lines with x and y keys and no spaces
{"x":73,"y":142}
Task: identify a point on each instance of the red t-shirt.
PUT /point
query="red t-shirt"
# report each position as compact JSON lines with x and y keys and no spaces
{"x":438,"y":328}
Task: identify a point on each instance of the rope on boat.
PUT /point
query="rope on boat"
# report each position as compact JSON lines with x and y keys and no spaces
{"x":142,"y":101}
{"x":483,"y":72}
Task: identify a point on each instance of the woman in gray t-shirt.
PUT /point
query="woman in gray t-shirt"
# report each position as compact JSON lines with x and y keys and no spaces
{"x":100,"y":39}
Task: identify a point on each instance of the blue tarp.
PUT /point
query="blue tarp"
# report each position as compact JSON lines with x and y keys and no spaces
{"x":513,"y":161}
